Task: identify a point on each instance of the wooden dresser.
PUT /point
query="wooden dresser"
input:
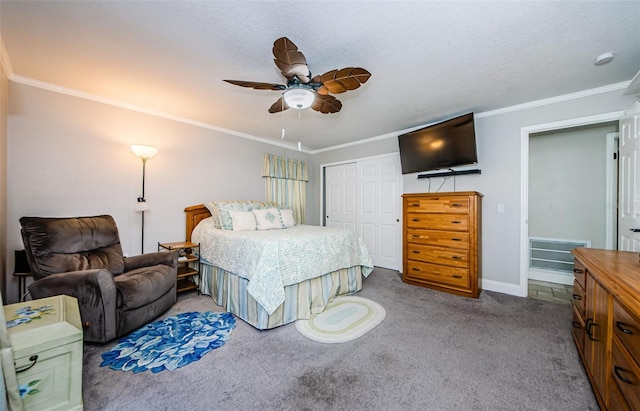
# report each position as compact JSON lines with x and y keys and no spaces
{"x":441,"y":241}
{"x":606,"y":324}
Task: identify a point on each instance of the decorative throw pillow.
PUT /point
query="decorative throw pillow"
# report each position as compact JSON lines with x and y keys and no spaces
{"x":268,"y":218}
{"x":225,"y":217}
{"x":220,"y":210}
{"x":286,"y":216}
{"x":215,"y":215}
{"x":243,"y":220}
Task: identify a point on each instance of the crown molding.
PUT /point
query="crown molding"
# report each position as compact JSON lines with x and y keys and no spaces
{"x":556,"y":99}
{"x":634,"y":86}
{"x":5,"y":61}
{"x":93,"y":97}
{"x":99,"y":99}
{"x":504,"y":110}
{"x":356,"y":143}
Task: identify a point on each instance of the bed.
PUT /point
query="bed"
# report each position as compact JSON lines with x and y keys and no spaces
{"x":273,"y":277}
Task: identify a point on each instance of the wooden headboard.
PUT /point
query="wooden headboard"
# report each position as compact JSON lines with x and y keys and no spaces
{"x":194,"y":215}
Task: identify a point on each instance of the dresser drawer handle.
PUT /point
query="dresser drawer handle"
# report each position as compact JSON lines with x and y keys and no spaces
{"x":456,"y":257}
{"x":577,"y":271}
{"x":456,"y":276}
{"x":415,"y":252}
{"x":415,"y":205}
{"x":590,"y":323}
{"x":620,"y":326}
{"x":415,"y":269}
{"x":576,"y":324}
{"x":415,"y":219}
{"x":456,"y":222}
{"x":415,"y":235}
{"x":456,"y":239}
{"x":616,"y":371}
{"x":577,"y":297}
{"x":33,"y":359}
{"x":456,"y":205}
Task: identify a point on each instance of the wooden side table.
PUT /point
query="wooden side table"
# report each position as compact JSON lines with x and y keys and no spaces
{"x":188,"y":263}
{"x":22,"y":271}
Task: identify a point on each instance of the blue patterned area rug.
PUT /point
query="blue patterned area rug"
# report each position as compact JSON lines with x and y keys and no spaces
{"x":171,"y":343}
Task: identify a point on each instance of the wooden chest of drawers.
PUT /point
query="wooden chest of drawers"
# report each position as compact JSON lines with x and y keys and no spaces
{"x":441,"y":241}
{"x":606,"y":324}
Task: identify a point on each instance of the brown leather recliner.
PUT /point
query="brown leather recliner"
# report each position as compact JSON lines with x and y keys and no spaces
{"x":82,"y":257}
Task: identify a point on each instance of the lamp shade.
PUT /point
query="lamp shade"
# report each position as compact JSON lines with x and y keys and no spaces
{"x":299,"y":97}
{"x":144,"y":152}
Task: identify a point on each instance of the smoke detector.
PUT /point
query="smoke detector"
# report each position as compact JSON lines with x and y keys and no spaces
{"x":604,"y":58}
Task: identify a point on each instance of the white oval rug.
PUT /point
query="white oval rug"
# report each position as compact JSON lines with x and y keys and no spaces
{"x":344,"y":319}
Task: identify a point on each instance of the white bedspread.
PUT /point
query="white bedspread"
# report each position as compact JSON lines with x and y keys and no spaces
{"x":273,"y":259}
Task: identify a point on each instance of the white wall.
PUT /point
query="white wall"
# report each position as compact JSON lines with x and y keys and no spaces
{"x":68,"y":156}
{"x":567,"y":197}
{"x":499,"y":153}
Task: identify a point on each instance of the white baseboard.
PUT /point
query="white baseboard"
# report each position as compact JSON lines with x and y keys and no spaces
{"x":551,"y":277}
{"x":504,"y":288}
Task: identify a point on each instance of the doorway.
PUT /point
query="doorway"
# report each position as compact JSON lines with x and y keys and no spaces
{"x":568,"y":198}
{"x":525,"y":136}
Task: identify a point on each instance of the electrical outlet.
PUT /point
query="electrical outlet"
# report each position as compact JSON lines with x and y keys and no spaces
{"x":500,"y":209}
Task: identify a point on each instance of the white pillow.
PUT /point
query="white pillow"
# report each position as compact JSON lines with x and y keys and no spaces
{"x":267,"y":218}
{"x":286,"y":214}
{"x":242,"y":220}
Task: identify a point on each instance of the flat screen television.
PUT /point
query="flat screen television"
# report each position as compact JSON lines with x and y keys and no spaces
{"x":439,"y":146}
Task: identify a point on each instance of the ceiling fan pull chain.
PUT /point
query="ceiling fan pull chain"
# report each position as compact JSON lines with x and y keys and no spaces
{"x":299,"y":126}
{"x":282,"y":116}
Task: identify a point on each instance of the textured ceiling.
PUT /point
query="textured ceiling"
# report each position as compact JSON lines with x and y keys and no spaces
{"x":429,"y":60}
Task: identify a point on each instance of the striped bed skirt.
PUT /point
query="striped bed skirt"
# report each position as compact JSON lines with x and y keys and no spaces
{"x":301,"y":299}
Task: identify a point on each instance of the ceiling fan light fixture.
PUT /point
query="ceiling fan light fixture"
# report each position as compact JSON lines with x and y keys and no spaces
{"x":299,"y":97}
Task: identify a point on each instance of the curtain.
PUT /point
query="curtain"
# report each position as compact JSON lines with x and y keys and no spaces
{"x":286,"y":183}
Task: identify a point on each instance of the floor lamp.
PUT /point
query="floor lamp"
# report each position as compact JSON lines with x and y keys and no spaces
{"x":145,"y":153}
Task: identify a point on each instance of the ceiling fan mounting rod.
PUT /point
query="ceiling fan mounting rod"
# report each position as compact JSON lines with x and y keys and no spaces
{"x":296,"y":83}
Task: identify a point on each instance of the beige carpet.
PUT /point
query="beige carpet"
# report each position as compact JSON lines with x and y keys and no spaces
{"x":433,"y":351}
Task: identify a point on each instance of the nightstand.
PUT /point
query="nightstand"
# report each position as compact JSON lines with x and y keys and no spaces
{"x":188,"y":263}
{"x":46,"y":337}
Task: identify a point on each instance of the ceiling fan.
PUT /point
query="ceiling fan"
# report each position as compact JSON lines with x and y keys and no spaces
{"x":302,"y":90}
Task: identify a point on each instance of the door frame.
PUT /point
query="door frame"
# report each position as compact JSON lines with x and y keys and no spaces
{"x":524,"y":180}
{"x":611,"y":191}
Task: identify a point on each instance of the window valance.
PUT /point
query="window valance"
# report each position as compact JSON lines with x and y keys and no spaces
{"x":286,"y":168}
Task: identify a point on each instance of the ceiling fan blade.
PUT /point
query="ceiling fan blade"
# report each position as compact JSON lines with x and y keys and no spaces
{"x":290,"y":61}
{"x":278,"y":106}
{"x":326,"y":104}
{"x":339,"y":81}
{"x":257,"y":85}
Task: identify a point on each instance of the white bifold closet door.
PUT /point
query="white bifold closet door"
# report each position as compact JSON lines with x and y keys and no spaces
{"x":366,"y":196}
